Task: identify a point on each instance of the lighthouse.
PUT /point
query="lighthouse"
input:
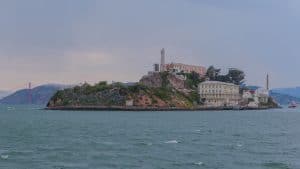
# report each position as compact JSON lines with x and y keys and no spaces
{"x":162,"y":60}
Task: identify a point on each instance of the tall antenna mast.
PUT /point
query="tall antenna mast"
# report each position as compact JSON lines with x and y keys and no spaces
{"x":267,"y":83}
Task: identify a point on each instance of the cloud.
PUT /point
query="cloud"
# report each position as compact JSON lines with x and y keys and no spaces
{"x":72,"y":41}
{"x":86,"y":59}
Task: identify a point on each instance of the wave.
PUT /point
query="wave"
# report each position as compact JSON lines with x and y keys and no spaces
{"x":239,"y":145}
{"x":143,"y":144}
{"x":4,"y":157}
{"x":277,"y":165}
{"x":172,"y":142}
{"x":10,"y":108}
{"x":199,"y":163}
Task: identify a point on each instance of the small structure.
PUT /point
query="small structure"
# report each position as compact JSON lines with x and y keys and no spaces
{"x":255,"y":96}
{"x":215,"y":93}
{"x":129,"y":103}
{"x":262,"y":95}
{"x":156,"y":67}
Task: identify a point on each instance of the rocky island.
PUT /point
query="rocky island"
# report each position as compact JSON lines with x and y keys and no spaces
{"x":157,"y":91}
{"x":160,"y":91}
{"x":173,"y":86}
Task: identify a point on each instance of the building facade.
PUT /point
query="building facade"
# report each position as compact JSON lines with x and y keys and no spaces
{"x":179,"y":67}
{"x":255,"y":97}
{"x":262,"y":95}
{"x":214,"y":93}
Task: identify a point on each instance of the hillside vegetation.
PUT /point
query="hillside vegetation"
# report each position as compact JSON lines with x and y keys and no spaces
{"x":103,"y":94}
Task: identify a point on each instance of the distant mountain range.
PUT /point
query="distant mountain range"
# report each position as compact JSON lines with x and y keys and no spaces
{"x":283,"y":99}
{"x":39,"y":95}
{"x":295,"y":91}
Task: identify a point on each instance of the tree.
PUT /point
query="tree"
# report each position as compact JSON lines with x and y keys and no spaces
{"x":223,"y":78}
{"x":212,"y":73}
{"x":193,"y":79}
{"x":236,"y":76}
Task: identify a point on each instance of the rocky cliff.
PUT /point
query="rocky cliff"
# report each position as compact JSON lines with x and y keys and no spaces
{"x":164,"y":80}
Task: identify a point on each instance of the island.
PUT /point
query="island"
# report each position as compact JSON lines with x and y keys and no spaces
{"x":172,"y":86}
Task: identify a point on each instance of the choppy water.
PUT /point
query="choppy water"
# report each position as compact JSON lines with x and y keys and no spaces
{"x":39,"y":139}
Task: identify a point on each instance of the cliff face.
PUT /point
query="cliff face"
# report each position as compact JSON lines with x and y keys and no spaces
{"x":166,"y":80}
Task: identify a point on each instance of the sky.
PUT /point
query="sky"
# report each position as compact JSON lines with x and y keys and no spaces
{"x":74,"y":41}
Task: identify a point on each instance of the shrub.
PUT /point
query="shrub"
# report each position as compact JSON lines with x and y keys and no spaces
{"x":163,"y":93}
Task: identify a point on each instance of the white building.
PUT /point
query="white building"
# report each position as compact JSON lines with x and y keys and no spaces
{"x":214,"y":93}
{"x":262,"y":95}
{"x":255,"y":97}
{"x":129,"y":103}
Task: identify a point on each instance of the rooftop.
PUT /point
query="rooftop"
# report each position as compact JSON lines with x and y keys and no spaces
{"x":218,"y":82}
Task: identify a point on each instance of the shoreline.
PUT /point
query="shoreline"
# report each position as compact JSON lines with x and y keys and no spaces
{"x":122,"y":108}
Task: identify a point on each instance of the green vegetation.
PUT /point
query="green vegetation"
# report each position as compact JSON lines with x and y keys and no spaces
{"x":163,"y":93}
{"x":164,"y":77}
{"x":194,"y":97}
{"x":193,"y":79}
{"x":212,"y":73}
{"x":234,"y":75}
{"x":136,"y":88}
{"x":103,"y":94}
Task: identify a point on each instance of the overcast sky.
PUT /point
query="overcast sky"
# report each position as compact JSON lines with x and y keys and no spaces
{"x":72,"y":41}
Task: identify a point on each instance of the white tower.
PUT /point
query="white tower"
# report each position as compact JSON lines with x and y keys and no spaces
{"x":163,"y":61}
{"x":267,"y":83}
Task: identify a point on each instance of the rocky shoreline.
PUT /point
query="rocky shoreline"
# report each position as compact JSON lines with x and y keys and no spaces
{"x":123,"y":108}
{"x":161,"y":91}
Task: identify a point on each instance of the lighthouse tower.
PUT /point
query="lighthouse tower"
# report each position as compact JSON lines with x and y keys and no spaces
{"x":163,"y":60}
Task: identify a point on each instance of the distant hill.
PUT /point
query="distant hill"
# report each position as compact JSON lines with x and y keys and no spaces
{"x":4,"y":93}
{"x":295,"y":91}
{"x":40,"y":95}
{"x":283,"y":99}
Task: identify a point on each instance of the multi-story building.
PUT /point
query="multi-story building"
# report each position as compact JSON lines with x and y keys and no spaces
{"x":214,"y":93}
{"x":179,"y":67}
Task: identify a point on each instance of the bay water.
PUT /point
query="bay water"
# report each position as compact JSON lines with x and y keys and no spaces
{"x":33,"y":138}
